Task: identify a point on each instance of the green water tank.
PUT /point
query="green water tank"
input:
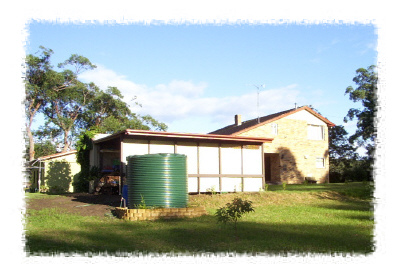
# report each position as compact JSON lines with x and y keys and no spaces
{"x":158,"y":180}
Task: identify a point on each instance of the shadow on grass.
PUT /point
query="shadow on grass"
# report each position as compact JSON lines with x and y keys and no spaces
{"x":361,"y":190}
{"x":108,"y":200}
{"x":198,"y":235}
{"x":357,"y":210}
{"x":351,"y":206}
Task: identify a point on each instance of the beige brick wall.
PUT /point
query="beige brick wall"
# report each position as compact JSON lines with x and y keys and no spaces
{"x":164,"y":213}
{"x":297,"y":153}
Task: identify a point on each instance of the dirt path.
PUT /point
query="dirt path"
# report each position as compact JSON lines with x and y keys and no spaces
{"x":81,"y":204}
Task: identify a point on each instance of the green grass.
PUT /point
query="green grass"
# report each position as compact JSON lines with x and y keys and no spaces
{"x":314,"y":220}
{"x":353,"y":189}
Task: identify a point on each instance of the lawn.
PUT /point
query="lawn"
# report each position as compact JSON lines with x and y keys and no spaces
{"x":329,"y":218}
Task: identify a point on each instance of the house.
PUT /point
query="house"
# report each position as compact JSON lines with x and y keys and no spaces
{"x":55,"y":172}
{"x":291,"y":146}
{"x":299,"y":150}
{"x":221,"y":163}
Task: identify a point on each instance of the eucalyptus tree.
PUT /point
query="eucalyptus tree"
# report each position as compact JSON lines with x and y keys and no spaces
{"x":67,"y":100}
{"x":366,"y":93}
{"x":108,"y":103}
{"x":71,"y":107}
{"x":342,"y":153}
{"x":39,"y":80}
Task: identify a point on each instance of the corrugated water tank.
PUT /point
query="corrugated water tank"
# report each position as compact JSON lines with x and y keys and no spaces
{"x":157,"y":180}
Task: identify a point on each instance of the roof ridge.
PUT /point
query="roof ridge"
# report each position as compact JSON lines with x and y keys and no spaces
{"x":234,"y":129}
{"x":241,"y":126}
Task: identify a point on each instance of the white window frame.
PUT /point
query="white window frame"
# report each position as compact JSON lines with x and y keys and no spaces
{"x":313,"y":132}
{"x":320,"y":162}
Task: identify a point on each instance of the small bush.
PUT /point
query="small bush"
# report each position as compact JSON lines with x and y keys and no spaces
{"x":234,"y":210}
{"x":80,"y":183}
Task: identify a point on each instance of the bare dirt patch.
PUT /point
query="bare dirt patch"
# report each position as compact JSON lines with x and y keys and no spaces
{"x":80,"y":203}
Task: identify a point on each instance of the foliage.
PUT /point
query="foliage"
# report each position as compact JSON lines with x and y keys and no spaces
{"x":105,"y":104}
{"x":44,"y":148}
{"x":58,"y":95}
{"x":142,"y":204}
{"x":234,"y":210}
{"x":365,"y":93}
{"x":94,"y":173}
{"x":83,"y":146}
{"x":350,"y":170}
{"x":113,"y":124}
{"x":71,"y":106}
{"x":38,"y":81}
{"x":67,"y":106}
{"x":345,"y":163}
{"x":339,"y":145}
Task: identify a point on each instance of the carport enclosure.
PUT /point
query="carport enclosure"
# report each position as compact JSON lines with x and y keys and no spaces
{"x":219,"y":163}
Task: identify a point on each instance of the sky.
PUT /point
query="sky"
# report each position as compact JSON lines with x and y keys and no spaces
{"x":196,"y":77}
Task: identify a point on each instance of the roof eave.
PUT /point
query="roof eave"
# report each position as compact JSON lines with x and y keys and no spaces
{"x":210,"y":137}
{"x":56,"y":155}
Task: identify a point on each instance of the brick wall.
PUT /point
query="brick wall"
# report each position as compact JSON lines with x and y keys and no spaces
{"x":153,"y":214}
{"x":297,"y":155}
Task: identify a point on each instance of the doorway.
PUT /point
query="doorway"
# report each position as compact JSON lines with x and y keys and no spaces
{"x":272,"y":168}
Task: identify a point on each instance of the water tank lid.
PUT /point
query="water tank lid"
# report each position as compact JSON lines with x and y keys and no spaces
{"x":154,"y":155}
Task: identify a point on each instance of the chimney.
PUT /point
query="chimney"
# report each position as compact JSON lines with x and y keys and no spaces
{"x":238,"y":120}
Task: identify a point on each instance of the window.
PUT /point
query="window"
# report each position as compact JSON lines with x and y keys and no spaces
{"x":315,"y":132}
{"x":320,"y":162}
{"x":274,"y":129}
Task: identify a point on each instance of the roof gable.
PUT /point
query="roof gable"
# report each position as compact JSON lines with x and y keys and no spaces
{"x":254,"y":123}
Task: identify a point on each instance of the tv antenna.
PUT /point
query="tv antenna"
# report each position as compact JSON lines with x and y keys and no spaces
{"x":258,"y":87}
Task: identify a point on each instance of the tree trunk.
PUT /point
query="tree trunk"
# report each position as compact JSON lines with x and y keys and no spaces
{"x":32,"y":113}
{"x":66,"y":140}
{"x":31,"y":144}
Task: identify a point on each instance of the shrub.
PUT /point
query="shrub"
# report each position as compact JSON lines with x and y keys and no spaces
{"x":234,"y":210}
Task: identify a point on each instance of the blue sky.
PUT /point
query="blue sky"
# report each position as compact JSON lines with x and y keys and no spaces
{"x":196,"y":77}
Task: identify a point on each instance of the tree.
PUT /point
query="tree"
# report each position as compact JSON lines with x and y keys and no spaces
{"x":38,"y":81}
{"x":366,"y":93}
{"x":84,"y":146}
{"x":59,"y":95}
{"x":341,"y":154}
{"x":106,"y":104}
{"x":67,"y":99}
{"x":339,"y":145}
{"x":72,"y":107}
{"x":65,"y":109}
{"x":45,"y":148}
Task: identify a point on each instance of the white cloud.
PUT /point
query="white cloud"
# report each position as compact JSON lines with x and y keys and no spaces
{"x":179,"y":100}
